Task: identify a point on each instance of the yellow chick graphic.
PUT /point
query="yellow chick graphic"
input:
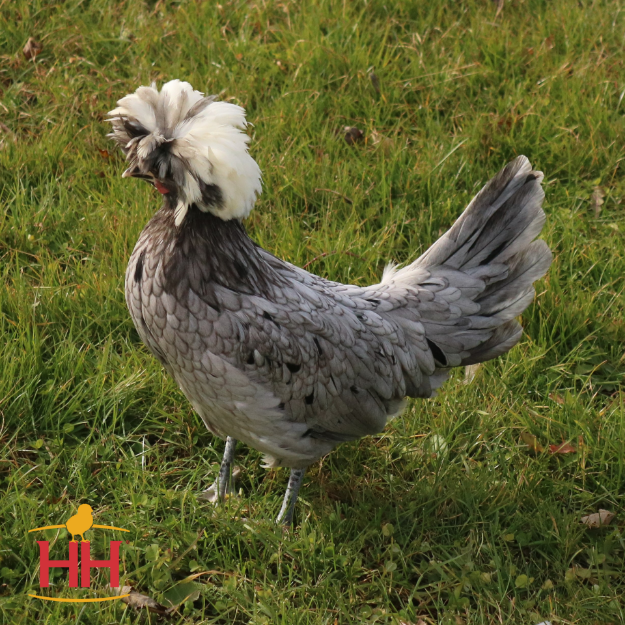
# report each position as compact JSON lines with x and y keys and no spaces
{"x":80,"y":522}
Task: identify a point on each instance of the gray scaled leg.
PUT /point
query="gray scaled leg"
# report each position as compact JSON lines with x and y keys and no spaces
{"x":224,"y":484}
{"x":290,"y":497}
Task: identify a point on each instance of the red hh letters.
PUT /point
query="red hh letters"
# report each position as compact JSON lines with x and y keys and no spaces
{"x":112,"y":564}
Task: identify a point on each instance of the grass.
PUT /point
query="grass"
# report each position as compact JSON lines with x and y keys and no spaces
{"x":447,"y":517}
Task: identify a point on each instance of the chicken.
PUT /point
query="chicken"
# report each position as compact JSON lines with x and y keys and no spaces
{"x":80,"y":522}
{"x":288,"y":362}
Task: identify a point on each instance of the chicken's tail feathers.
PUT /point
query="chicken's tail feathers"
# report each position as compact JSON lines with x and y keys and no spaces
{"x":500,"y":221}
{"x":485,"y":266}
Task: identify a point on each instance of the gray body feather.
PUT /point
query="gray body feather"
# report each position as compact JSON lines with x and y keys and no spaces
{"x":293,"y":364}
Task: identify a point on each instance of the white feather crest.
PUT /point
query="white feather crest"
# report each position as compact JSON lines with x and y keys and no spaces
{"x":207,"y":138}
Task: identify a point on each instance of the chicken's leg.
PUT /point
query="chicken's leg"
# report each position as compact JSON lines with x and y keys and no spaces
{"x":224,"y":484}
{"x":290,"y":497}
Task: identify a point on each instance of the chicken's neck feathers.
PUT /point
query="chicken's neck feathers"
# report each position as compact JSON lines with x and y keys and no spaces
{"x":205,"y":250}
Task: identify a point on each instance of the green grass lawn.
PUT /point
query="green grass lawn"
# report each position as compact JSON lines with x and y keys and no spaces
{"x":448,"y":517}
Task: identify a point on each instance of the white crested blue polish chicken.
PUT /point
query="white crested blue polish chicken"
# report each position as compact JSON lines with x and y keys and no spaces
{"x":283,"y":360}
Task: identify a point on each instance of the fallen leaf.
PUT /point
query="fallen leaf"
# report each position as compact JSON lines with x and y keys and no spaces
{"x":375,"y":81}
{"x":388,"y":529}
{"x":598,"y":519}
{"x":532,"y":442}
{"x":9,"y":132}
{"x":563,"y":448}
{"x":139,"y":602}
{"x":437,"y":445}
{"x":181,"y":592}
{"x":104,"y":153}
{"x":470,"y":371}
{"x":557,"y":398}
{"x":352,"y":134}
{"x":596,"y":200}
{"x":381,"y":141}
{"x":32,"y":49}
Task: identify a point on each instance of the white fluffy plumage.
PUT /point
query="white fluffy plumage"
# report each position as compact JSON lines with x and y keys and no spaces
{"x":203,"y":140}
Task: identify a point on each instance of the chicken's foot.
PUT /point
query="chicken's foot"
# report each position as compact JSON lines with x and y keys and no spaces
{"x":224,"y":484}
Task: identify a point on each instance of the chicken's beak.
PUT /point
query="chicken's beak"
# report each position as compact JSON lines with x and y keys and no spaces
{"x":134,"y":172}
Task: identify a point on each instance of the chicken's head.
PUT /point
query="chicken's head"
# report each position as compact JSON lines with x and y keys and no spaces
{"x":190,"y":147}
